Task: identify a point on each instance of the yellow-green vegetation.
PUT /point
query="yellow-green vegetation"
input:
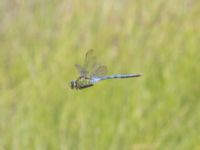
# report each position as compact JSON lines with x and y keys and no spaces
{"x":40,"y":41}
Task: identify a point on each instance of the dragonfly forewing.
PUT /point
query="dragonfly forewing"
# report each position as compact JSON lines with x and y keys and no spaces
{"x":91,"y":67}
{"x":82,"y":71}
{"x":90,"y":60}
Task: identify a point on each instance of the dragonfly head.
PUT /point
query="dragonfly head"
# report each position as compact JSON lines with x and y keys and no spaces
{"x":72,"y":84}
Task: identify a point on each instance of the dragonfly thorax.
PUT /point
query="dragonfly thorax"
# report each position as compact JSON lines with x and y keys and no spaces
{"x":81,"y":83}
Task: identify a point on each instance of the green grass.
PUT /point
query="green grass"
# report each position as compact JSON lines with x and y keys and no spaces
{"x":40,"y":41}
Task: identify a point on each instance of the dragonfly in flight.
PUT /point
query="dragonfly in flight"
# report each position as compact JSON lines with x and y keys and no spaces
{"x":92,"y":72}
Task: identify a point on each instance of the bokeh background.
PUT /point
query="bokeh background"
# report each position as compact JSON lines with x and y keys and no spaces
{"x":40,"y":41}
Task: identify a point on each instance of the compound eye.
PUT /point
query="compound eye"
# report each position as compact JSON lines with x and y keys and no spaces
{"x":71,"y":85}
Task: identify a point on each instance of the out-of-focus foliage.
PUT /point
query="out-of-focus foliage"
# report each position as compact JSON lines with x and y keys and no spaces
{"x":40,"y":41}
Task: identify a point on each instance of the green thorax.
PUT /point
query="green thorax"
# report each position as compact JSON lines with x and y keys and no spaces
{"x":81,"y":81}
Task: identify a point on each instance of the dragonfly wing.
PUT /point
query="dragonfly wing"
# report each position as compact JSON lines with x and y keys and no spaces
{"x":91,"y":67}
{"x":99,"y":71}
{"x":82,"y":71}
{"x":90,"y":60}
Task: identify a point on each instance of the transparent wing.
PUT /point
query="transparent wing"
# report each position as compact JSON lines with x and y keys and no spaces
{"x":91,"y":67}
{"x":82,"y":71}
{"x":90,"y":60}
{"x":99,"y":71}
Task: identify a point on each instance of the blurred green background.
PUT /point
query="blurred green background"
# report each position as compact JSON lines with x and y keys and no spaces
{"x":40,"y":41}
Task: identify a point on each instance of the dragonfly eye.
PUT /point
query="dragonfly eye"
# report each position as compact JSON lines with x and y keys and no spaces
{"x":73,"y":84}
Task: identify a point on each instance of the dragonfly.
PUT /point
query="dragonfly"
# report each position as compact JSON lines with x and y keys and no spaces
{"x":92,"y":72}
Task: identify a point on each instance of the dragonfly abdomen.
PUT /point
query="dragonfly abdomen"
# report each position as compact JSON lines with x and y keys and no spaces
{"x":120,"y":76}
